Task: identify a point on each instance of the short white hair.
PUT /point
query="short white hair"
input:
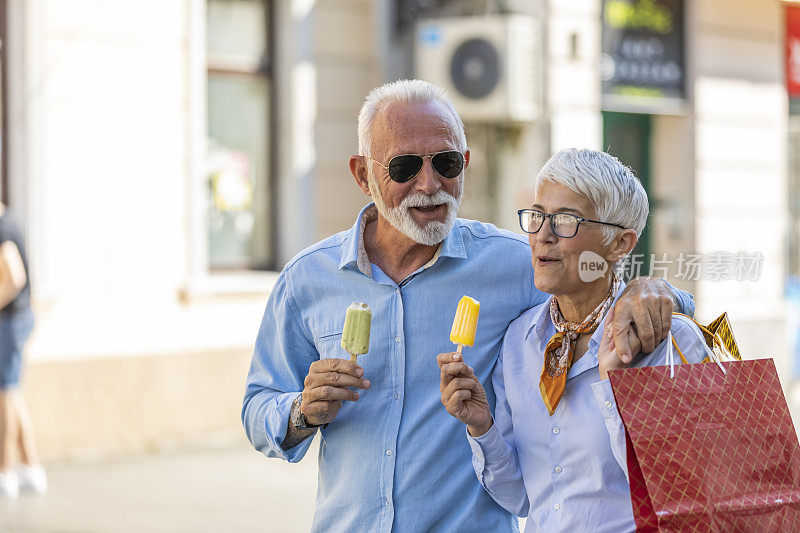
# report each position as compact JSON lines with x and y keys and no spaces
{"x":406,"y":92}
{"x":615,"y":192}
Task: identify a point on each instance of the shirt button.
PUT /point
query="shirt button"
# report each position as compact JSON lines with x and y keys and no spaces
{"x":388,"y":452}
{"x":556,"y":431}
{"x":397,"y":338}
{"x":386,"y":501}
{"x":397,"y":291}
{"x":608,"y":404}
{"x":557,"y":469}
{"x":556,"y":507}
{"x":396,"y":396}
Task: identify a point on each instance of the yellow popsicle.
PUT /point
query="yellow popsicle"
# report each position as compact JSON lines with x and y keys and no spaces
{"x":465,"y":322}
{"x":355,"y":335}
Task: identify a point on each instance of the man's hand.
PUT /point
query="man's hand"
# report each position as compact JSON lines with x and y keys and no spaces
{"x":463,"y":395}
{"x":328,"y":384}
{"x":643,"y":317}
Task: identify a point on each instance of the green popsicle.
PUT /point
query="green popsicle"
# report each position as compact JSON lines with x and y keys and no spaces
{"x":355,"y":336}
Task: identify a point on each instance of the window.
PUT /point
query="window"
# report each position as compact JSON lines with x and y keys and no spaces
{"x":240,"y":216}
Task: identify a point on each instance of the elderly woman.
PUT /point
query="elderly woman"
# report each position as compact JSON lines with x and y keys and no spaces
{"x":555,"y":449}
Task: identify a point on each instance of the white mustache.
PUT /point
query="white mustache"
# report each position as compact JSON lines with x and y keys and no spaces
{"x":421,"y":199}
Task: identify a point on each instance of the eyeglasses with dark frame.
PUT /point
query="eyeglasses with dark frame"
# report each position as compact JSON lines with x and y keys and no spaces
{"x":564,"y":225}
{"x":405,"y":167}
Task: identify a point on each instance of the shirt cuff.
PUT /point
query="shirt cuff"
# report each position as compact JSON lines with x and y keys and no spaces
{"x":489,"y":447}
{"x":605,"y":398}
{"x":278,"y":423}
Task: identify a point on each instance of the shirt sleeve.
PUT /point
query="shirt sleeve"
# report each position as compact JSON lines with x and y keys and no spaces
{"x":616,"y":431}
{"x":684,"y":299}
{"x":689,"y":339}
{"x":495,"y":458}
{"x":7,"y":232}
{"x":281,"y":358}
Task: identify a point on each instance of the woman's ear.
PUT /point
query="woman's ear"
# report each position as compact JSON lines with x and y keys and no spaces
{"x":622,"y":245}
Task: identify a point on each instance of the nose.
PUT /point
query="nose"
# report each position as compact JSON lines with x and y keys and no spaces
{"x":545,"y":234}
{"x":427,"y":181}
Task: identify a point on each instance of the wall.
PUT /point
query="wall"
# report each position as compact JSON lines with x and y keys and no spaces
{"x":740,"y":124}
{"x":672,"y":202}
{"x":346,"y":55}
{"x":134,"y":343}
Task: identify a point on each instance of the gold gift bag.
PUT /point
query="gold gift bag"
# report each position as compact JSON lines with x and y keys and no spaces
{"x":719,"y":337}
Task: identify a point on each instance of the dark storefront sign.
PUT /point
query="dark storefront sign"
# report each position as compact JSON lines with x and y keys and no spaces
{"x":642,"y":65}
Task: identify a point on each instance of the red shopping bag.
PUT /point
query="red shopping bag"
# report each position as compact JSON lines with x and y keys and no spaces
{"x":710,"y":451}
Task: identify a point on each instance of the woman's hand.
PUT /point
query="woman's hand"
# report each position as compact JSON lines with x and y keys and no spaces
{"x":463,"y":395}
{"x":607,"y":356}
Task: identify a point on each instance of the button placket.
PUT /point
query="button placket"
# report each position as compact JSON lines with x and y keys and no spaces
{"x":395,"y":406}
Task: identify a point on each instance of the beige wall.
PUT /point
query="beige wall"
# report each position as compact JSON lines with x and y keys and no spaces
{"x":134,"y":343}
{"x":346,"y":57}
{"x":131,"y":404}
{"x":740,"y":124}
{"x":573,"y":82}
{"x":672,"y":191}
{"x":111,"y":148}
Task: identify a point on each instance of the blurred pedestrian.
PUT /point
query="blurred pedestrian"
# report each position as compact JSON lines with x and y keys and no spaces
{"x":16,"y":323}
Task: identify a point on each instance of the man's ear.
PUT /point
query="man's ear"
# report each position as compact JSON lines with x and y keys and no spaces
{"x":358,"y":168}
{"x":466,"y":158}
{"x":623,"y":244}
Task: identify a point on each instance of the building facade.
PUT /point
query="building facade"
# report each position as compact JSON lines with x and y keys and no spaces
{"x":167,"y":158}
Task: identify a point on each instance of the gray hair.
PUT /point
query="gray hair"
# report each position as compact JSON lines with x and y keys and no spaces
{"x":614,"y":191}
{"x":407,"y":92}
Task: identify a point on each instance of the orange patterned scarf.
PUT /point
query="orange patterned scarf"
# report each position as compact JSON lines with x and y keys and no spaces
{"x":560,"y":349}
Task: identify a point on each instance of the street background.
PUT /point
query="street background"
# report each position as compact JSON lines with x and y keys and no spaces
{"x":166,"y":158}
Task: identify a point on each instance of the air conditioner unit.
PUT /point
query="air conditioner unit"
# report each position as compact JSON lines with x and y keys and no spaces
{"x":490,"y":65}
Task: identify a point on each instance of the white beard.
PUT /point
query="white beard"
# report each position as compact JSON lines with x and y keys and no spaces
{"x":400,"y":217}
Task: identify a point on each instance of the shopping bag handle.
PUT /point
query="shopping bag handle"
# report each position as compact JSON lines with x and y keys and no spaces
{"x":710,"y":334}
{"x":671,"y":356}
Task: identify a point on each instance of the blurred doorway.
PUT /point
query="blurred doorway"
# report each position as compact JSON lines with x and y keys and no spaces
{"x":627,"y":137}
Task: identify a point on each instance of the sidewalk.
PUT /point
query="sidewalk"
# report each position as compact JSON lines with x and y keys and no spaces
{"x":219,"y":489}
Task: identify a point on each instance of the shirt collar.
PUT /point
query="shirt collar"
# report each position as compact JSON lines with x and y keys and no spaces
{"x":355,"y":254}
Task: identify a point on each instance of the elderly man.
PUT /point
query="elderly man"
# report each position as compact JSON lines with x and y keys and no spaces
{"x":391,"y":458}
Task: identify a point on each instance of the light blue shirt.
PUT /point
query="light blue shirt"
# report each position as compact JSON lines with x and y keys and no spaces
{"x":394,"y":460}
{"x":565,"y":472}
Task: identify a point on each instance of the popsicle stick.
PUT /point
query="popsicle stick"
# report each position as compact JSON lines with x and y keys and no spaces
{"x":460,"y":347}
{"x":353,"y":357}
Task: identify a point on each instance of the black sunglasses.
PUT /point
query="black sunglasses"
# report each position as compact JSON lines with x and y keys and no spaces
{"x":403,"y":168}
{"x":563,"y":224}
